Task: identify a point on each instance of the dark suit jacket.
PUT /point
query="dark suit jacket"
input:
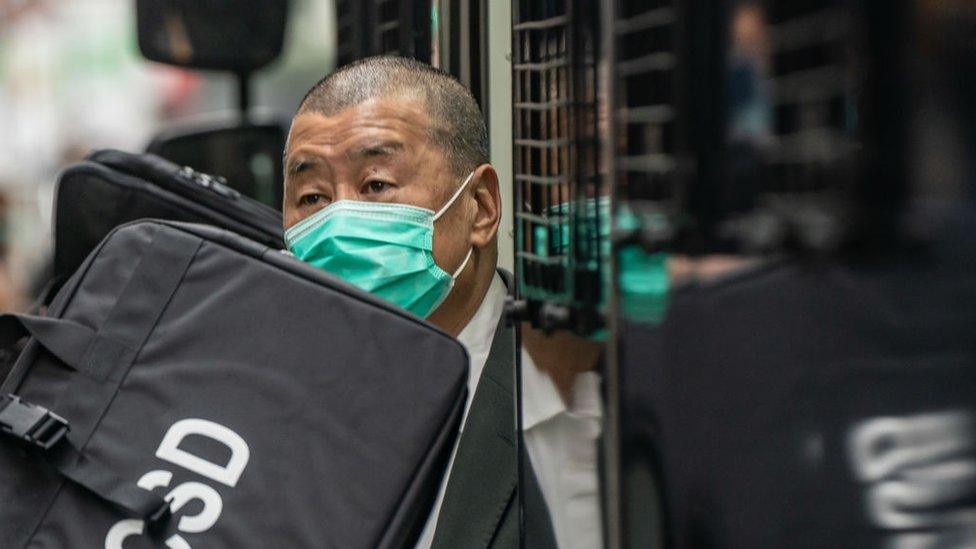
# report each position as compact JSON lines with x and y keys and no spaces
{"x":480,"y":508}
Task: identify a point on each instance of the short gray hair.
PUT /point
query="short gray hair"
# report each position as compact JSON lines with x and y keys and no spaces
{"x":458,"y":125}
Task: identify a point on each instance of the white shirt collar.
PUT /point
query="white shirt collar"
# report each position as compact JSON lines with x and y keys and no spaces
{"x":478,"y":334}
{"x":541,"y":400}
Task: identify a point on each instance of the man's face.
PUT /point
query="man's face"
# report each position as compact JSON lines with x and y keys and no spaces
{"x":377,"y":151}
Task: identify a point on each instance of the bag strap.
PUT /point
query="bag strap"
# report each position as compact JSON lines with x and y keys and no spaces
{"x":125,"y":330}
{"x":105,"y":483}
{"x":67,"y":340}
{"x":46,"y":433}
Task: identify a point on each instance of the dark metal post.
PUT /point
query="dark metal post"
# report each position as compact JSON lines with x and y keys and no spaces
{"x":244,"y":94}
{"x":611,"y":440}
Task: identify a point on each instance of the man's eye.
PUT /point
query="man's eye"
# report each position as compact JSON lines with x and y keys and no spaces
{"x":373,"y":187}
{"x":310,"y":199}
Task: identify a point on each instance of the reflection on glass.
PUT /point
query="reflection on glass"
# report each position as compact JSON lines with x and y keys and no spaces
{"x":750,"y":105}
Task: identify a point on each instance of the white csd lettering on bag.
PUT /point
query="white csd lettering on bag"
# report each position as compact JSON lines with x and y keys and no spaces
{"x":169,"y":450}
{"x":919,"y":475}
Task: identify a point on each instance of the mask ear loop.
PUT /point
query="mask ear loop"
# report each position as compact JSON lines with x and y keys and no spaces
{"x":451,"y":282}
{"x":444,"y":209}
{"x":453,"y":198}
{"x":463,"y":265}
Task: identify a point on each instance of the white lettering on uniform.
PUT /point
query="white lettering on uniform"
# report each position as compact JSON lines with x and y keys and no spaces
{"x":917,"y":469}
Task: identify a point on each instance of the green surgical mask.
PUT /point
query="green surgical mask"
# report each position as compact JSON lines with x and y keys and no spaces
{"x":384,"y":249}
{"x":643,"y":277}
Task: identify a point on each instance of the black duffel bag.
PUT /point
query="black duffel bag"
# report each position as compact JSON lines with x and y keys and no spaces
{"x":111,"y":188}
{"x":268,"y":403}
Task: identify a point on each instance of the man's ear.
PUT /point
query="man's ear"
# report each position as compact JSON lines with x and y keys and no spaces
{"x":489,"y":201}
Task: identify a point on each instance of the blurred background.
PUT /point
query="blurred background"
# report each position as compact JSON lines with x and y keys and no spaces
{"x":72,"y":80}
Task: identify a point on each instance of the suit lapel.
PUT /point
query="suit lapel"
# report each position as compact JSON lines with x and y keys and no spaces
{"x":484,"y":475}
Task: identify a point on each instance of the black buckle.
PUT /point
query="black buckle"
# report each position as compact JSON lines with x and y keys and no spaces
{"x":32,"y":424}
{"x":156,"y":522}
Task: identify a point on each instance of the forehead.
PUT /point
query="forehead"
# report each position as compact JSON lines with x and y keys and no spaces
{"x":404,"y":118}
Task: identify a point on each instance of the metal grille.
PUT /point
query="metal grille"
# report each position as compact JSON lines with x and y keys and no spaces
{"x":387,"y":31}
{"x":644,"y":79}
{"x":814,"y":136}
{"x":783,"y":173}
{"x":736,"y":122}
{"x":351,"y":44}
{"x":396,"y":27}
{"x":556,"y":169}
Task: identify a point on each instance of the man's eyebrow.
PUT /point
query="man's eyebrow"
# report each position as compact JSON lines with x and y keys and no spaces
{"x":380,"y":149}
{"x":300,"y":163}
